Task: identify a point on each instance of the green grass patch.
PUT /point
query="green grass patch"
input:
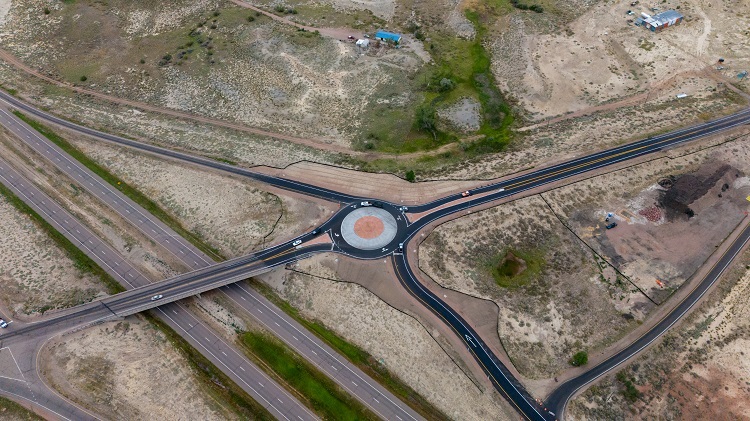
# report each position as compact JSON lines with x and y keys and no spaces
{"x":461,"y":69}
{"x":80,"y":260}
{"x":359,"y":357}
{"x":514,"y":268}
{"x":213,"y":380}
{"x":14,"y":411}
{"x":325,"y":397}
{"x":131,"y":192}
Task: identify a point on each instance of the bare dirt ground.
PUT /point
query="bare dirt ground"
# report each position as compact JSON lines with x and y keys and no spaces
{"x":698,"y":371}
{"x":235,"y":215}
{"x":397,"y":340}
{"x":116,"y":367}
{"x":546,"y":318}
{"x":384,"y":186}
{"x":36,"y":274}
{"x":657,"y":244}
{"x":598,"y":56}
{"x":261,"y":73}
{"x":571,"y":298}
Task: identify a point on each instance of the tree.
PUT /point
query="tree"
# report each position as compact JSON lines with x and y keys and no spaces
{"x":410,"y":176}
{"x":426,"y":120}
{"x":83,"y":78}
{"x":579,"y":358}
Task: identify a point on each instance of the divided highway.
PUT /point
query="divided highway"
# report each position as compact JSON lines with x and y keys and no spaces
{"x":225,"y":356}
{"x":350,"y":378}
{"x":510,"y":388}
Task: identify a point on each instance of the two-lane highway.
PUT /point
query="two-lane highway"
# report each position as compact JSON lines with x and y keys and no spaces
{"x":284,"y":327}
{"x":225,"y":356}
{"x":507,"y":386}
{"x":558,"y":399}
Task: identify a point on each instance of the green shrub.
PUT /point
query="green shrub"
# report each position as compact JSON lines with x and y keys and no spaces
{"x":410,"y":176}
{"x":579,"y":358}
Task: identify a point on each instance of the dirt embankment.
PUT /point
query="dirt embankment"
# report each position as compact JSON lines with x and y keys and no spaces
{"x":127,"y":370}
{"x":697,"y":371}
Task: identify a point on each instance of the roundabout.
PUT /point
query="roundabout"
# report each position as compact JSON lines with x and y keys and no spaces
{"x":369,"y":228}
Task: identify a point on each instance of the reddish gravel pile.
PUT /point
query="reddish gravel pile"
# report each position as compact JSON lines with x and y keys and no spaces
{"x":653,"y":213}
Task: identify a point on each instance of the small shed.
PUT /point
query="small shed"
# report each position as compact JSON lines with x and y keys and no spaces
{"x":662,"y":20}
{"x":388,"y":37}
{"x":363,"y":43}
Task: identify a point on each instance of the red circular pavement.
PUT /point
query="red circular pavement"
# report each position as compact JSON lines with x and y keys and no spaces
{"x":368,"y":227}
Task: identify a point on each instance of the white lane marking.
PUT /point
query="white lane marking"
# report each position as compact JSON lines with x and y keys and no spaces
{"x":241,"y":368}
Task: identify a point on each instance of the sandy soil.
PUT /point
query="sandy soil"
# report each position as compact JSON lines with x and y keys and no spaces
{"x":115,"y":368}
{"x":578,"y":300}
{"x":698,"y":371}
{"x":36,"y":274}
{"x":235,"y":215}
{"x":656,"y":244}
{"x":599,"y":56}
{"x":262,"y":73}
{"x":399,"y":341}
{"x":562,"y":306}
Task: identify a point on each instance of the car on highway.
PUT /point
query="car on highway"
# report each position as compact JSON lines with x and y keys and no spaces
{"x":3,"y":324}
{"x":297,"y":242}
{"x":400,"y":246}
{"x":315,"y":232}
{"x":365,"y":204}
{"x":157,"y":297}
{"x":403,"y":208}
{"x":467,"y":193}
{"x":612,"y":225}
{"x":378,"y":204}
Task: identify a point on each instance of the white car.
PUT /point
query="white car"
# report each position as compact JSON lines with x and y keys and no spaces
{"x":3,"y":324}
{"x":365,"y":204}
{"x":297,"y":242}
{"x":157,"y":297}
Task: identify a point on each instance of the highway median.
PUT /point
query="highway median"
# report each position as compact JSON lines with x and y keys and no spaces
{"x":131,"y":192}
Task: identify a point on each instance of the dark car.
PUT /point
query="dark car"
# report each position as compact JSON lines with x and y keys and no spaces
{"x":378,"y":204}
{"x":612,"y":225}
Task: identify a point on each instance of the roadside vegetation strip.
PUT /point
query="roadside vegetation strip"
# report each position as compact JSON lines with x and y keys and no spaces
{"x":325,"y":397}
{"x":80,"y":260}
{"x":129,"y":191}
{"x":13,"y":411}
{"x":357,"y":356}
{"x":213,"y":380}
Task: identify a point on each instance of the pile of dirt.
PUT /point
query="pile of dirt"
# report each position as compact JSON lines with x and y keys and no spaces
{"x":688,"y":188}
{"x":652,"y":213}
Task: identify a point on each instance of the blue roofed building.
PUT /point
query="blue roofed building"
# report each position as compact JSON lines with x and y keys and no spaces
{"x":388,"y":36}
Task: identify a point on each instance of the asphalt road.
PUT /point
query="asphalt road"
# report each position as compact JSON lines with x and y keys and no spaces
{"x":225,"y":356}
{"x":505,"y":384}
{"x":558,"y":399}
{"x":350,"y":378}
